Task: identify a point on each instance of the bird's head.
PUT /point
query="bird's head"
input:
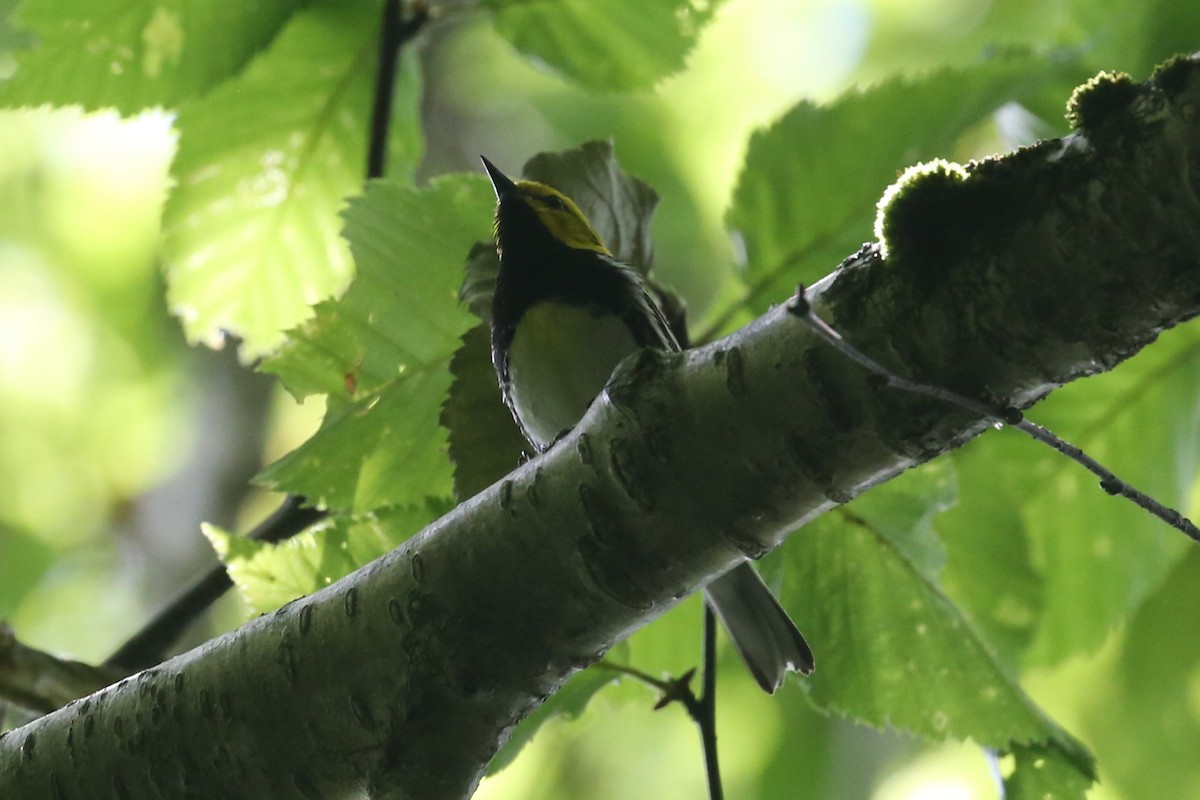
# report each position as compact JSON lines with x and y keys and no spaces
{"x":529,"y":202}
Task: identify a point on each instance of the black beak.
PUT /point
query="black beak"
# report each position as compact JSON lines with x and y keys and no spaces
{"x":500,"y":182}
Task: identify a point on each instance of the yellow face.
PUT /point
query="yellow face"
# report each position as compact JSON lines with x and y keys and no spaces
{"x":561,"y":217}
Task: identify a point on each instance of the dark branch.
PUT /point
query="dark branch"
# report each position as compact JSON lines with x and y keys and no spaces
{"x":706,"y":714}
{"x":395,"y":32}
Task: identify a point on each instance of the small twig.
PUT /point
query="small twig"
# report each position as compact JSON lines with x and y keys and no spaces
{"x":707,"y":719}
{"x":702,"y":710}
{"x":673,"y":690}
{"x":800,"y":307}
{"x":1110,"y":482}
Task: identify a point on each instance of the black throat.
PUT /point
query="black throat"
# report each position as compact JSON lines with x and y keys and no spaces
{"x":536,"y":267}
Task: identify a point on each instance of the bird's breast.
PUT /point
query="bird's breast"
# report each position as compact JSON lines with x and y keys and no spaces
{"x":560,"y":358}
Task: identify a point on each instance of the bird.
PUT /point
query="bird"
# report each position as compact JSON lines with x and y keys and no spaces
{"x":564,"y":313}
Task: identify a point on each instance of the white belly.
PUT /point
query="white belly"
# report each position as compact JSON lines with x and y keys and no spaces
{"x":559,"y":360}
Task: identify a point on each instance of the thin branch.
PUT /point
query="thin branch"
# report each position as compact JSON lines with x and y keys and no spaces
{"x":40,"y":682}
{"x":395,"y":32}
{"x":707,"y":719}
{"x":1109,"y":482}
{"x":702,"y":710}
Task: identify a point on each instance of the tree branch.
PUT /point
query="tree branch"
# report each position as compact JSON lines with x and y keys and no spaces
{"x":39,"y":682}
{"x":403,"y":679}
{"x":394,"y":33}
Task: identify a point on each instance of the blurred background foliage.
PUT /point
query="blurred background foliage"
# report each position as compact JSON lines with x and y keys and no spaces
{"x":167,"y":179}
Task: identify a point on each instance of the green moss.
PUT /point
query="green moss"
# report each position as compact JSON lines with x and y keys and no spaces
{"x":1174,"y":74}
{"x":940,"y":213}
{"x":917,"y":204}
{"x":1097,"y":102}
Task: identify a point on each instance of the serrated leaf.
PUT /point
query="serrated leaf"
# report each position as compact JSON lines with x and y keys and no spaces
{"x":1145,"y":726}
{"x":479,"y":282}
{"x":1100,"y":556}
{"x":807,"y":192}
{"x":1041,"y":557}
{"x":614,"y":46}
{"x":384,"y":449}
{"x":269,"y":575}
{"x":988,"y":572}
{"x":264,"y":164}
{"x":136,"y":54}
{"x":383,"y":351}
{"x":891,"y":648}
{"x":402,"y":313}
{"x":1046,"y":772}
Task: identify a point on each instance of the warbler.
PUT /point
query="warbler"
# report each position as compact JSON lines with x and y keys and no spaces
{"x":565,"y":312}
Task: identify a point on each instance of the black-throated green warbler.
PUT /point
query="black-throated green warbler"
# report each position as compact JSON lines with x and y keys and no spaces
{"x":564,"y":314}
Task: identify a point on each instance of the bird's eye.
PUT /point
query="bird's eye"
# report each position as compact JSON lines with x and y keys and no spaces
{"x":555,"y":202}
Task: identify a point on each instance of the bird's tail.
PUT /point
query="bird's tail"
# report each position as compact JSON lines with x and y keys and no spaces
{"x":761,"y":630}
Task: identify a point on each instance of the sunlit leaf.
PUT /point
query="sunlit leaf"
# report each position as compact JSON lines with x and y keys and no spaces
{"x":265,"y":163}
{"x":270,"y":575}
{"x":1100,"y":556}
{"x":618,"y":45}
{"x":807,"y":192}
{"x":135,"y":54}
{"x":382,"y":353}
{"x":1046,"y":772}
{"x":1146,"y":719}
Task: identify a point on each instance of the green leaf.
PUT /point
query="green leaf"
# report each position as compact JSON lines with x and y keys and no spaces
{"x":265,"y":162}
{"x":1100,"y":556}
{"x":134,"y":54}
{"x":25,"y":561}
{"x":616,"y":45}
{"x":891,"y":648}
{"x":383,"y":351}
{"x":807,"y":192}
{"x":1044,"y":560}
{"x":385,"y":448}
{"x":269,"y":575}
{"x":1047,"y":772}
{"x":989,"y":572}
{"x":1144,"y":723}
